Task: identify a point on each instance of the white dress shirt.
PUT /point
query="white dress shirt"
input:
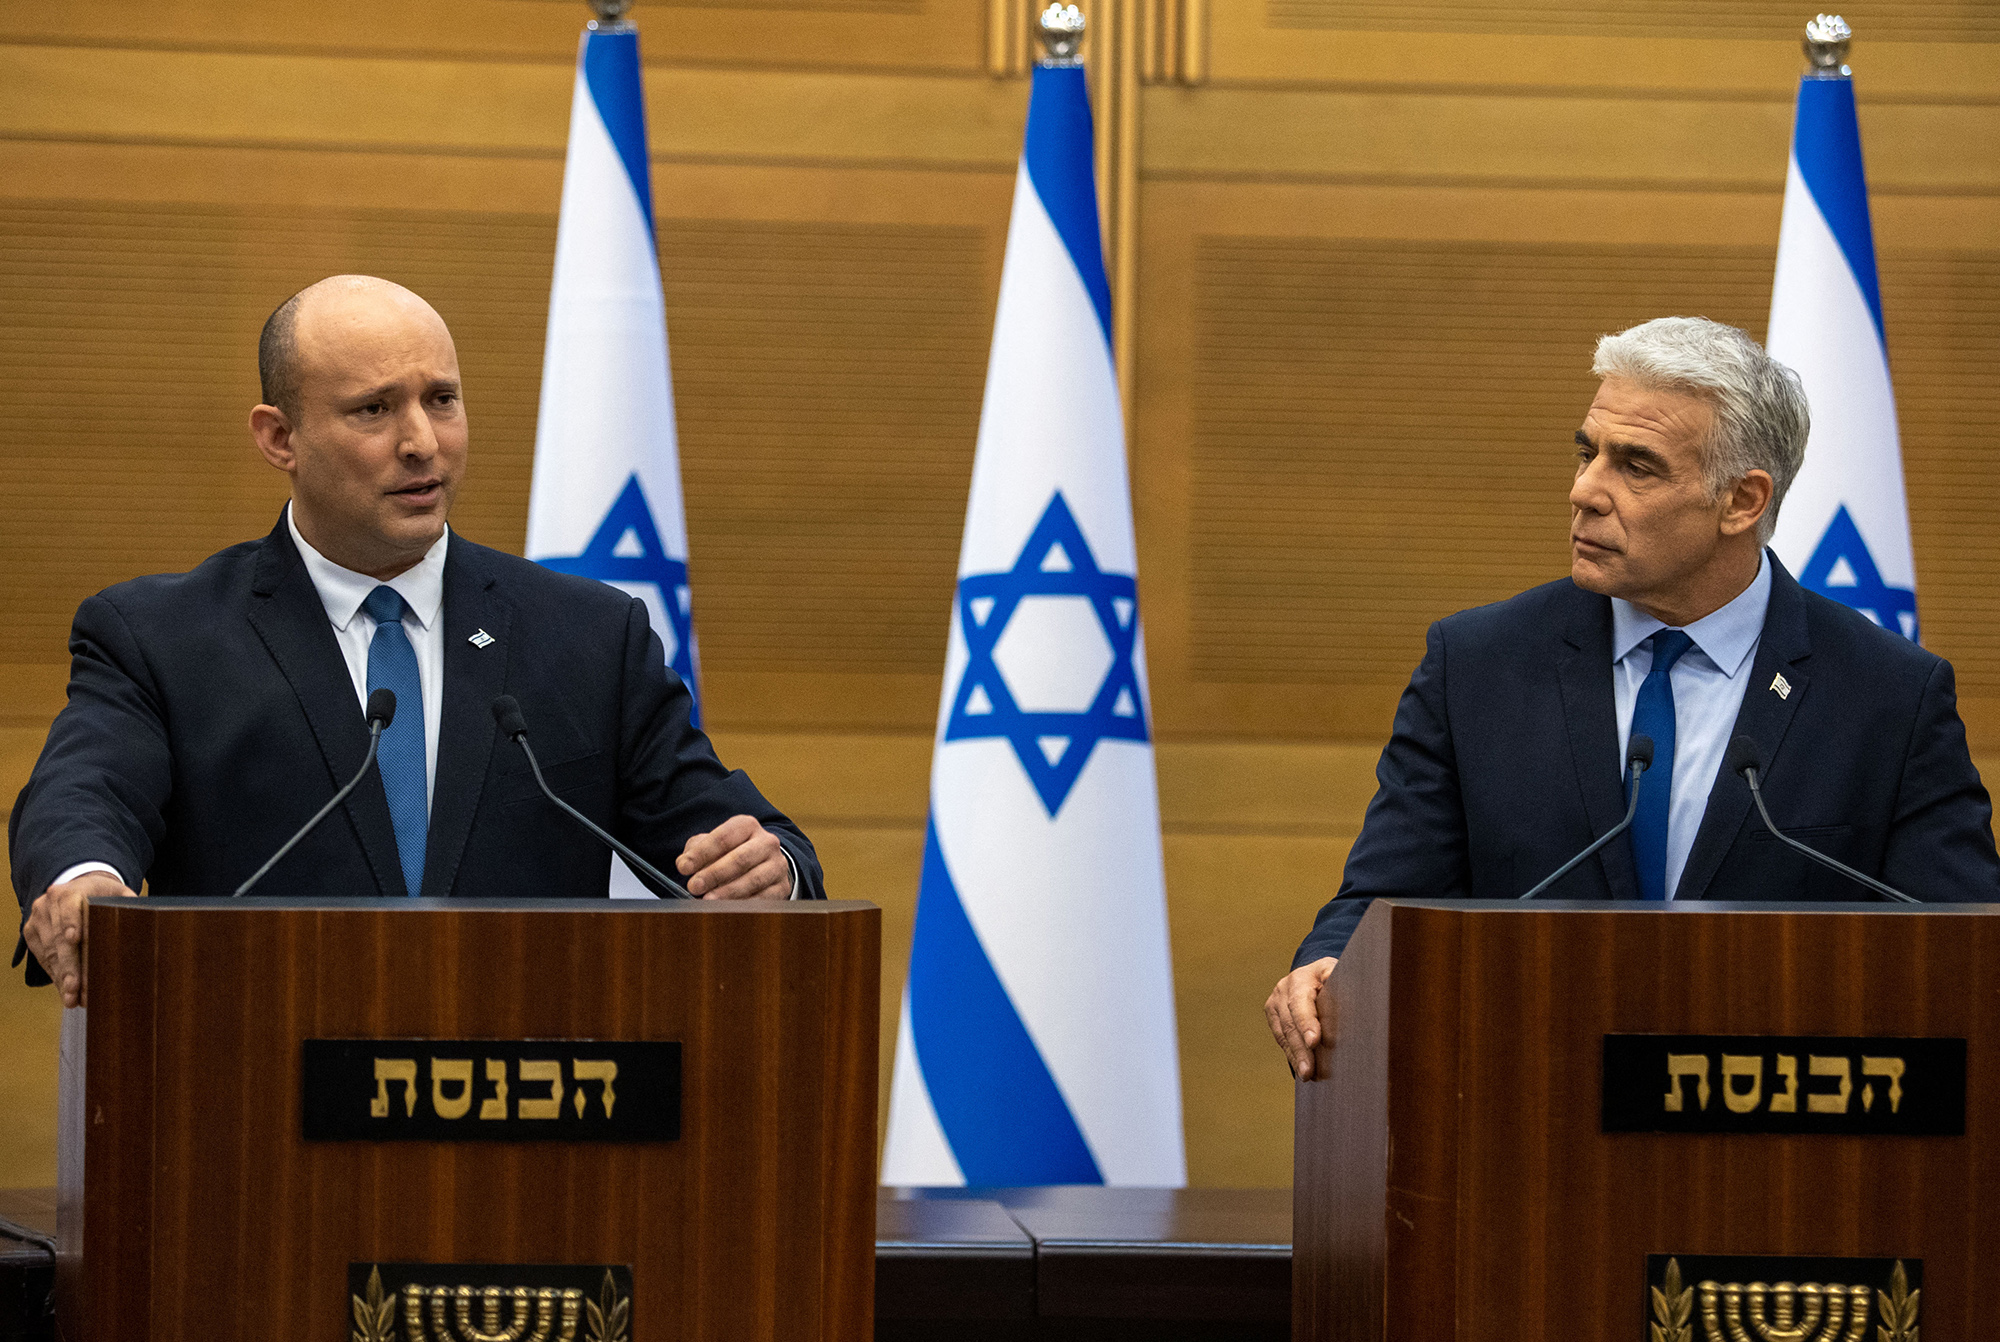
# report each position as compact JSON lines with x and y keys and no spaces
{"x":1708,"y":683}
{"x":342,"y":590}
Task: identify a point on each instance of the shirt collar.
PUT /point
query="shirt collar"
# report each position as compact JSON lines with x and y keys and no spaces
{"x":342,"y":590}
{"x":1726,"y":637}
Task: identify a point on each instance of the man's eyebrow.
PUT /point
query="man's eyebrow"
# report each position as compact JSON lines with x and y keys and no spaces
{"x":1630,"y":451}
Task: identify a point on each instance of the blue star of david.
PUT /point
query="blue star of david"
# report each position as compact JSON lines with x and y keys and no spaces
{"x":1894,"y":608}
{"x":1053,"y":747}
{"x":629,"y":516}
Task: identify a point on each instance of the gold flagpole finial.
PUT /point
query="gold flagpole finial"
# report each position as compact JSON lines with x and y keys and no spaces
{"x":1061,"y":30}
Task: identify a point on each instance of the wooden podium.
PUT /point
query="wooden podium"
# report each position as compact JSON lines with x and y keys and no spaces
{"x":520,"y":1045}
{"x":1455,"y":1178}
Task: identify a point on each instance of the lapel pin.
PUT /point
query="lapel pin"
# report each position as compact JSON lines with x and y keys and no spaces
{"x":1781,"y":687}
{"x":481,"y":639}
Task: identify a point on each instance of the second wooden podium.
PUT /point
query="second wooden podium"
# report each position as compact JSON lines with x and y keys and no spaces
{"x":456,"y":1121}
{"x":1692,"y":1123}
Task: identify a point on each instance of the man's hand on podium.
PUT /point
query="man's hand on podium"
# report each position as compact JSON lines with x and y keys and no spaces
{"x":738,"y":859}
{"x":58,"y":928}
{"x":1300,"y":1011}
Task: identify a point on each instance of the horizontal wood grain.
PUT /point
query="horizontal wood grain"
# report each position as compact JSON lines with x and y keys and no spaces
{"x":1883,"y":20}
{"x":500,"y":108}
{"x":1473,"y":137}
{"x":1669,"y":55}
{"x":205,"y":1214}
{"x":920,"y":34}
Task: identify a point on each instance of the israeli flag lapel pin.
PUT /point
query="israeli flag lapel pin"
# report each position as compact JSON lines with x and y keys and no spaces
{"x":480,"y":639}
{"x":1779,"y":685}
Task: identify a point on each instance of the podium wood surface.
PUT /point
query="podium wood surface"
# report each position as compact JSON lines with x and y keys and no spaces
{"x":1453,"y":1180}
{"x":193,"y":1207}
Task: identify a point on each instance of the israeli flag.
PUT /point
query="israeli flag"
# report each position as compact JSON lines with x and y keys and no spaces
{"x":1845,"y":527}
{"x":605,"y":501}
{"x":1037,"y":1041}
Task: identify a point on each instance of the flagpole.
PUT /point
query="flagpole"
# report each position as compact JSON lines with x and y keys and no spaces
{"x":1844,"y":527}
{"x":1037,"y":1042}
{"x":605,"y":497}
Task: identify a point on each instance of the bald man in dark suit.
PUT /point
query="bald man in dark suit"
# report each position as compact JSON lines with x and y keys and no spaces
{"x":210,"y":713}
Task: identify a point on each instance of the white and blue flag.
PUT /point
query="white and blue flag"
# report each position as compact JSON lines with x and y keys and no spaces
{"x":606,"y":495}
{"x":1037,"y":1042}
{"x":1845,"y":526}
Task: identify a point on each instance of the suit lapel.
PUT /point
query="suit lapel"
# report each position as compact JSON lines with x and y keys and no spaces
{"x":473,"y":675}
{"x":1765,"y":717}
{"x":289,"y":617}
{"x":1591,"y":714}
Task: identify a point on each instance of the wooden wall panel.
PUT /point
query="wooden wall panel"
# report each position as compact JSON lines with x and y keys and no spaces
{"x":1942,"y":314}
{"x":1381,"y":433}
{"x":910,"y":34}
{"x":828,"y":380}
{"x":1761,"y":67}
{"x":1881,"y":20}
{"x":379,"y":104}
{"x":128,"y":363}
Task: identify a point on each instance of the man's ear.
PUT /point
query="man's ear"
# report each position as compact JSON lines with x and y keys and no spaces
{"x":1747,"y":502}
{"x":271,"y":428}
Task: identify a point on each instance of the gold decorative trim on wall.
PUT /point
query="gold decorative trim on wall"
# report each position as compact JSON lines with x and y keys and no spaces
{"x":1010,"y":38}
{"x":1173,"y":46}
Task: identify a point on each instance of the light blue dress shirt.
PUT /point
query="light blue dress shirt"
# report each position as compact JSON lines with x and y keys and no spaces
{"x":1709,"y":682}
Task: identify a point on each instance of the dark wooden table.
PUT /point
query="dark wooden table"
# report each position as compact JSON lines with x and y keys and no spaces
{"x":1167,"y":1265}
{"x":978,"y":1264}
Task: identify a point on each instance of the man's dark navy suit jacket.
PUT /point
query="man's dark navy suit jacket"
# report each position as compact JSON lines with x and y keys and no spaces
{"x":1503,"y":764}
{"x":211,"y":713}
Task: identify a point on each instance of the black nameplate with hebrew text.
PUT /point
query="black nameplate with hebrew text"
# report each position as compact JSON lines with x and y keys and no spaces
{"x":1837,"y":1085}
{"x":492,"y":1090}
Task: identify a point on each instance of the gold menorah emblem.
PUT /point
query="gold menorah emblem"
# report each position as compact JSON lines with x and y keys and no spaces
{"x":414,"y":1312}
{"x":1784,"y":1311}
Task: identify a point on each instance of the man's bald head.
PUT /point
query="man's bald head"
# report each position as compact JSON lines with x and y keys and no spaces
{"x":362,"y":409}
{"x":280,"y":356}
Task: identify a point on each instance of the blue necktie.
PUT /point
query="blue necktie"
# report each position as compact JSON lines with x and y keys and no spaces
{"x":1653,"y":715}
{"x":392,"y":665}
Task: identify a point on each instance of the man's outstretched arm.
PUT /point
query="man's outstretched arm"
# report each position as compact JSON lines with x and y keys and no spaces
{"x":1412,"y":843}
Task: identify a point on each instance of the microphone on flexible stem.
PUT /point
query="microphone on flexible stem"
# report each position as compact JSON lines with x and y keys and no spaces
{"x":514,"y":727}
{"x":381,"y":712}
{"x":1745,"y":759}
{"x":1638,"y":759}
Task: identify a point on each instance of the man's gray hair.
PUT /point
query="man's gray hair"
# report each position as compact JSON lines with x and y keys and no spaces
{"x":1761,"y":419}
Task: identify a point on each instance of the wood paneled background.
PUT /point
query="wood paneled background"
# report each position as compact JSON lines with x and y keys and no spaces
{"x":1366,"y":248}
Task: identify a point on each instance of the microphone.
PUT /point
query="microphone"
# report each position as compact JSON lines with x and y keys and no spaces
{"x":1745,"y":759}
{"x":507,"y":713}
{"x":1638,"y":759}
{"x":381,"y":712}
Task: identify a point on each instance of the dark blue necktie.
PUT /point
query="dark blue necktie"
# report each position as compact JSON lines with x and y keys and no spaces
{"x":1653,"y":715}
{"x":392,"y":665}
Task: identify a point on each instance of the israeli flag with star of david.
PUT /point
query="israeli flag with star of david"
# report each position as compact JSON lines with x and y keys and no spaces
{"x":1037,"y":1041}
{"x":1845,"y":527}
{"x":606,"y":495}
